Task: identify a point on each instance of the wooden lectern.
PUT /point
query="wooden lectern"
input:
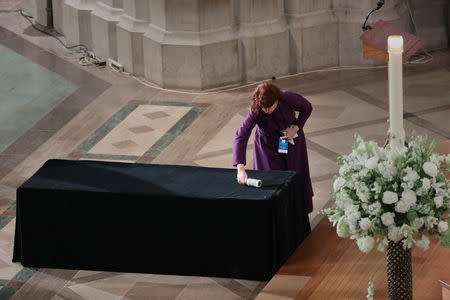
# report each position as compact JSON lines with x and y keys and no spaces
{"x":375,"y":41}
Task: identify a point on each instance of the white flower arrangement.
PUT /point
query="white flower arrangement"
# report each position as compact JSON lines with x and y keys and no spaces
{"x":384,"y":194}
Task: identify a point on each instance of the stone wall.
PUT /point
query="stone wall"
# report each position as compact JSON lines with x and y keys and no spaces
{"x":200,"y":44}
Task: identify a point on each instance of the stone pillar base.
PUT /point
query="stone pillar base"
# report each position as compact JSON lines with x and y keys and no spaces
{"x":265,"y":56}
{"x":130,"y":54}
{"x":77,"y":22}
{"x":36,"y":8}
{"x":104,"y":34}
{"x":191,"y":60}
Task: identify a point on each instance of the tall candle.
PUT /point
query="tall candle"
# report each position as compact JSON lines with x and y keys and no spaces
{"x":396,"y":131}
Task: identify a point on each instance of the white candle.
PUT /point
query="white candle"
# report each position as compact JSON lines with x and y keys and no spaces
{"x":396,"y":131}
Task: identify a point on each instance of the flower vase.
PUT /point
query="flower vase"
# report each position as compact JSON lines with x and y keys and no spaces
{"x":399,"y":271}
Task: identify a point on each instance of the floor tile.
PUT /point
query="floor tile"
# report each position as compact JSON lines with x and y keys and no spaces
{"x":151,"y":291}
{"x":341,"y":142}
{"x":337,"y":108}
{"x":206,"y":292}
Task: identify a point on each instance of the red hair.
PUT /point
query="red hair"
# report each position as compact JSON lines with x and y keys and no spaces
{"x":265,"y":95}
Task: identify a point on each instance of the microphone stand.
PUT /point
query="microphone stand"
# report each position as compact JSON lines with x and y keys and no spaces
{"x":379,"y":5}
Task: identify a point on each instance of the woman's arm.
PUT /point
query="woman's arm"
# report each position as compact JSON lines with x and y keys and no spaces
{"x":240,"y":146}
{"x":241,"y":139}
{"x":300,"y":104}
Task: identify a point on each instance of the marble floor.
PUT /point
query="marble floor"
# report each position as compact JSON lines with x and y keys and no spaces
{"x":51,"y":107}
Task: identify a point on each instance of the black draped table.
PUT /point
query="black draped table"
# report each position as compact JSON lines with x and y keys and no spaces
{"x":162,"y":219}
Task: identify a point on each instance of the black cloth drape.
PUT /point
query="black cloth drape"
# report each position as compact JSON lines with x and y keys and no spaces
{"x":161,"y":219}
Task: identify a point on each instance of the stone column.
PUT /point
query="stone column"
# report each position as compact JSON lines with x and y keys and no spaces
{"x":130,"y":31}
{"x":58,"y":15}
{"x":430,"y":18}
{"x":313,"y":34}
{"x":264,"y":39}
{"x":191,"y":44}
{"x":77,"y":22}
{"x":104,"y":18}
{"x":36,"y":8}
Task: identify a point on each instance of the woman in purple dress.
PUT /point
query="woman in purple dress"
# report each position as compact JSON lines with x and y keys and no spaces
{"x":273,"y":110}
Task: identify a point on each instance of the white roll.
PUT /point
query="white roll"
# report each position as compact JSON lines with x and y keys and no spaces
{"x":254,"y":182}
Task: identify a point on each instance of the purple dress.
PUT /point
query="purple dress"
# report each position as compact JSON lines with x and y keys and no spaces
{"x":268,"y":131}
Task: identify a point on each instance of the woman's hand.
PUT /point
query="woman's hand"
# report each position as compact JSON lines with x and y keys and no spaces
{"x":241,"y":174}
{"x":290,"y":132}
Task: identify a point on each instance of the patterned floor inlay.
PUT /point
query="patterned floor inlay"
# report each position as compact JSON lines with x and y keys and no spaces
{"x":140,"y":131}
{"x":10,"y":287}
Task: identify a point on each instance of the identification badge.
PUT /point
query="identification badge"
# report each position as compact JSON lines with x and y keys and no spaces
{"x":282,"y":145}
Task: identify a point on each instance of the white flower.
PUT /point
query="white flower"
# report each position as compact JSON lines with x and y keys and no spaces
{"x":438,"y":201}
{"x":376,"y":188}
{"x":343,"y":200}
{"x":395,"y":153}
{"x":372,"y":163}
{"x":353,"y":218}
{"x":387,"y":170}
{"x":365,"y":243}
{"x":407,"y":243}
{"x":387,"y":218}
{"x":419,"y":191}
{"x":406,"y":230}
{"x":370,"y":290}
{"x":372,"y":209}
{"x":389,"y":197}
{"x":442,"y":226}
{"x":380,"y":152}
{"x":430,"y":222}
{"x":338,"y":184}
{"x":409,"y":197}
{"x":350,"y":184}
{"x":430,"y":169}
{"x":364,"y":172}
{"x":394,"y":233}
{"x":404,"y":186}
{"x":364,"y":196}
{"x":361,"y":144}
{"x":423,"y":209}
{"x":362,"y":191}
{"x":426,"y":184}
{"x":364,"y":224}
{"x":344,"y":170}
{"x":423,"y":243}
{"x":437,"y":184}
{"x":350,"y":209}
{"x":402,"y":206}
{"x":361,"y":159}
{"x":342,"y":228}
{"x":418,"y":223}
{"x":438,"y":159}
{"x":411,"y":175}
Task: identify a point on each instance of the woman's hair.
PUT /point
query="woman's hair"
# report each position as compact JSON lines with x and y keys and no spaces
{"x":265,"y":95}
